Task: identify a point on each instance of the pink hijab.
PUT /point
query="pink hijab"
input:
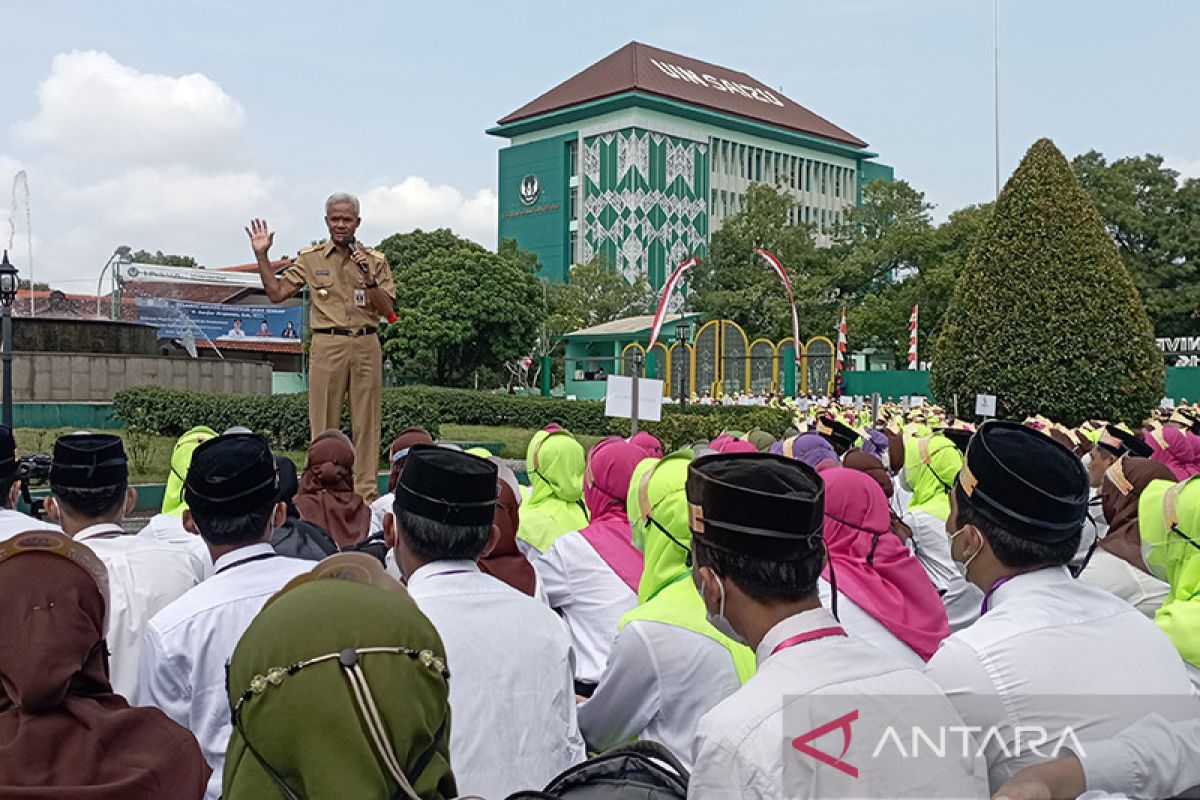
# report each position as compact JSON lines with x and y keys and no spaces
{"x":605,"y":486}
{"x":727,"y":443}
{"x":875,"y":569}
{"x":1180,"y":451}
{"x":649,"y":444}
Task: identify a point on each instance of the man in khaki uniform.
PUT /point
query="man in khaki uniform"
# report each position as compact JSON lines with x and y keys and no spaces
{"x":350,"y":288}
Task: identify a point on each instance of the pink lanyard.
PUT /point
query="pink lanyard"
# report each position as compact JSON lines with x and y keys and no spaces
{"x":987,"y":598}
{"x":808,"y":636}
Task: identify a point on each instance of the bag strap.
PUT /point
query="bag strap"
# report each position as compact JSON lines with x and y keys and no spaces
{"x":655,"y":750}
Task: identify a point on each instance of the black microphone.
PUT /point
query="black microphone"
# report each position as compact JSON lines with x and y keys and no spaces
{"x":352,"y":246}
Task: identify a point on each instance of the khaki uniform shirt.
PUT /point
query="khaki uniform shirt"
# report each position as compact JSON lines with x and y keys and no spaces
{"x":333,"y":279}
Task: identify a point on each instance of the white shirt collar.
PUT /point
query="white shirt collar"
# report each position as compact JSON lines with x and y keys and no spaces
{"x":242,"y":553}
{"x":1026,"y":581}
{"x":435,"y":568}
{"x":805,"y":621}
{"x":101,"y":529}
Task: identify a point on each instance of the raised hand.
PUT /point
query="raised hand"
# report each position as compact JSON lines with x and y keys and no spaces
{"x":261,"y":237}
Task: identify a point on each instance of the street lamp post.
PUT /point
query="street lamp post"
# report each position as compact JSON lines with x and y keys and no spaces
{"x":8,"y":293}
{"x":120,"y":255}
{"x":683,"y":332}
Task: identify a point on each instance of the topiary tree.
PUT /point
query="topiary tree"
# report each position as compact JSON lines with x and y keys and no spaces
{"x":1044,"y":314}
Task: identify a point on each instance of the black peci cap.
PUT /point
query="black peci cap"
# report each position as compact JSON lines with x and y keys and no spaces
{"x":756,"y":504}
{"x":838,"y":434}
{"x":447,"y":486}
{"x":1121,"y":442}
{"x":1024,"y":482}
{"x":88,"y":460}
{"x":231,"y":475}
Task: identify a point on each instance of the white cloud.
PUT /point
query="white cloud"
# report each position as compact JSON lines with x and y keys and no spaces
{"x":92,"y":106}
{"x":416,"y":203}
{"x":1186,"y":167}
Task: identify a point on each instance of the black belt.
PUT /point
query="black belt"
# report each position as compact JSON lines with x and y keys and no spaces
{"x":346,"y":331}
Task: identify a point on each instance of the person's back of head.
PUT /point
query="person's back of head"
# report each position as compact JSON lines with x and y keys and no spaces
{"x":232,"y":491}
{"x":89,"y":481}
{"x":1022,"y":497}
{"x":444,"y":507}
{"x":756,"y":522}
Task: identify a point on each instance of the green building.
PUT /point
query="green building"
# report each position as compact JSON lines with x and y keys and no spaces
{"x":592,"y":354}
{"x":639,"y":157}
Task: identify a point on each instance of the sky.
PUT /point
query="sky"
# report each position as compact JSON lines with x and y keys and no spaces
{"x":168,"y":124}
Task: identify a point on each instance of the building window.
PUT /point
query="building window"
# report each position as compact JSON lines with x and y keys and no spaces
{"x":574,"y":204}
{"x":573,"y":158}
{"x":574,"y":247}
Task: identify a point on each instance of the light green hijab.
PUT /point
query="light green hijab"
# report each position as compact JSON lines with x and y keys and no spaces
{"x":306,"y":723}
{"x":1169,"y":524}
{"x":666,"y":592}
{"x":931,"y":463}
{"x":181,"y":459}
{"x":555,"y":463}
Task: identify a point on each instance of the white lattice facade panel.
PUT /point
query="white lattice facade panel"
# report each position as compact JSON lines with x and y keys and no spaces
{"x":645,"y":201}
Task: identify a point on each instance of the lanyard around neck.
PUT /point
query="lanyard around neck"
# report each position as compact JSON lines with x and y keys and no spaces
{"x":809,"y":636}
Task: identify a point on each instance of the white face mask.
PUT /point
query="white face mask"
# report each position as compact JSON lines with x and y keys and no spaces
{"x":1157,"y":570}
{"x":903,"y":480}
{"x":963,"y":566}
{"x":719,"y":621}
{"x":1086,"y":458}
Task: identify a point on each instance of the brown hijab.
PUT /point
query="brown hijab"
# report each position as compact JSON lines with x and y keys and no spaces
{"x":327,"y":497}
{"x":505,"y":561}
{"x":865,"y":462}
{"x":399,"y":451}
{"x":63,"y":732}
{"x":1120,"y":491}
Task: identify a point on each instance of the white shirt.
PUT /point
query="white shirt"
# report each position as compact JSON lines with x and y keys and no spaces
{"x":1141,"y":590}
{"x":931,"y":546}
{"x":167,"y":529}
{"x":660,"y":680}
{"x":380,"y":508}
{"x":1045,"y":638}
{"x":592,"y":598}
{"x":865,"y":628}
{"x":143,"y":578}
{"x":1151,"y":758}
{"x":512,"y":697}
{"x":742,"y":750}
{"x":13,"y":522}
{"x":189,"y":642}
{"x":901,"y":496}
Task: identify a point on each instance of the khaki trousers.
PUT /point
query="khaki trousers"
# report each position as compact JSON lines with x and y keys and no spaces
{"x":354,"y":364}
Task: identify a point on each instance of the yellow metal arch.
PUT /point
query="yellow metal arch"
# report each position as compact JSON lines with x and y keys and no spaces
{"x":625,"y":350}
{"x":774,"y":362}
{"x":832,"y":371}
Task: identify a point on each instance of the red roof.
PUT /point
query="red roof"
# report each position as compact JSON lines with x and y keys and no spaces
{"x":648,"y":69}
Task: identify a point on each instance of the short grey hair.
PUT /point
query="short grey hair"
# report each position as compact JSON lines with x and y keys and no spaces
{"x":341,"y":197}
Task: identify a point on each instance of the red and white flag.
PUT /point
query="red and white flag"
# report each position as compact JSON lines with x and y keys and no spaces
{"x":672,"y":283}
{"x":912,"y":339}
{"x":841,"y":344}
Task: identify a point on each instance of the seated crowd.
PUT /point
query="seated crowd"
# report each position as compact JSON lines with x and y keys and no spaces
{"x":755,"y":606}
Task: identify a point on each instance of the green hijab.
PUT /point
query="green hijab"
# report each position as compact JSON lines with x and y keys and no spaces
{"x":1170,"y":555}
{"x":181,"y":459}
{"x":666,"y":592}
{"x":307,"y":725}
{"x":555,"y":463}
{"x":931,"y":463}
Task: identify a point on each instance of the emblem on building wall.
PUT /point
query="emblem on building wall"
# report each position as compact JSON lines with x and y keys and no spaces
{"x":530,"y":189}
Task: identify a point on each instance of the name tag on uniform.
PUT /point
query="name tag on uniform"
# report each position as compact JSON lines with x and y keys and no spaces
{"x":360,"y":297}
{"x":322,"y":272}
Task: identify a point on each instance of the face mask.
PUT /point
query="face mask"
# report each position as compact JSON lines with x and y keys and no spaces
{"x":1086,"y":458}
{"x":963,"y":566}
{"x":1157,"y":570}
{"x":718,"y":620}
{"x":903,"y":479}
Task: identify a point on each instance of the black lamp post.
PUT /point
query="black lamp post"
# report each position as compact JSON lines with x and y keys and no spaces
{"x":683,"y":332}
{"x":8,"y":293}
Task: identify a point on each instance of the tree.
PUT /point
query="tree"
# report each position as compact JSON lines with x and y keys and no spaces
{"x":459,"y":306}
{"x":1044,"y":315}
{"x":734,"y":283}
{"x":1155,"y":221}
{"x":595,"y":294}
{"x":164,"y":259}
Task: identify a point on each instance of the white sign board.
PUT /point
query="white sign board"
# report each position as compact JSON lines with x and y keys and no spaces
{"x":917,"y":401}
{"x":1167,"y":402}
{"x":618,"y":401}
{"x":156,"y":273}
{"x":985,"y":405}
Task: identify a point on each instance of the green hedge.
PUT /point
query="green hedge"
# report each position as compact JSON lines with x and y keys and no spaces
{"x":284,"y":418}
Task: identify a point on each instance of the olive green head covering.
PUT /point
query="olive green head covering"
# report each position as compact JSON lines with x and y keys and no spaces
{"x":329,"y":664}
